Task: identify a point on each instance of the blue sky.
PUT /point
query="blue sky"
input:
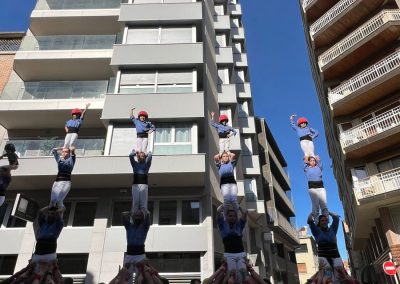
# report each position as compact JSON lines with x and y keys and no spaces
{"x":280,"y":79}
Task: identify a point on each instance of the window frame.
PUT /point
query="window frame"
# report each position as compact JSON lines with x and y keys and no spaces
{"x":159,"y":30}
{"x":71,"y":215}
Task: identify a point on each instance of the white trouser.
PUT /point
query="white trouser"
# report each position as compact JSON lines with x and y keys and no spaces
{"x":140,"y":193}
{"x":224,"y":144}
{"x":141,"y":144}
{"x":236,"y":261}
{"x":70,"y":139}
{"x":329,"y":271}
{"x":318,"y":201}
{"x":229,"y":192}
{"x":130,"y":261}
{"x":59,"y":192}
{"x":2,"y":198}
{"x":308,"y":148}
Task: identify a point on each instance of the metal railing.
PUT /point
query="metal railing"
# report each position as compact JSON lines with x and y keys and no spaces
{"x":366,"y":77}
{"x":358,"y":35}
{"x":371,"y":127}
{"x":42,"y":147}
{"x":55,"y":90}
{"x":377,"y":184}
{"x":68,"y":42}
{"x":77,"y":4}
{"x":10,"y":44}
{"x":306,"y":3}
{"x":334,"y":12}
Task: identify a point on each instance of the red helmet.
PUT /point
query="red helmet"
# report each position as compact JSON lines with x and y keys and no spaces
{"x":76,"y":111}
{"x":143,"y":113}
{"x":302,"y":120}
{"x":223,"y":117}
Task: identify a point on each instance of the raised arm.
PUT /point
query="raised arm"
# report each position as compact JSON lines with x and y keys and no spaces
{"x":319,"y":162}
{"x":125,"y":216}
{"x":132,"y":158}
{"x":149,"y":158}
{"x":131,"y":113}
{"x":335,"y":223}
{"x":313,"y":227}
{"x":212,"y":122}
{"x":85,"y":110}
{"x":54,"y":151}
{"x":220,"y":217}
{"x":244,"y":214}
{"x":292,"y":123}
{"x":217,"y":159}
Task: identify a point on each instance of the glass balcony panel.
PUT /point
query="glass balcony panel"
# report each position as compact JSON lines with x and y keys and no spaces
{"x":78,"y":4}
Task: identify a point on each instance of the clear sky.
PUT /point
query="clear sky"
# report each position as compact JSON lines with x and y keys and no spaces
{"x":281,"y":84}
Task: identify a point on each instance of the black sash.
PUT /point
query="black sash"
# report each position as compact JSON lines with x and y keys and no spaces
{"x":233,"y":244}
{"x":140,"y":179}
{"x":229,"y":179}
{"x":135,"y":249}
{"x":315,"y":184}
{"x":306,"y":137}
{"x":46,"y":246}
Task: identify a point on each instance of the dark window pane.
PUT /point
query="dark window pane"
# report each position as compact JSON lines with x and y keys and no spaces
{"x":7,"y":264}
{"x":302,"y":248}
{"x":84,"y":214}
{"x":175,"y":262}
{"x":67,"y":212}
{"x":190,"y":212}
{"x":72,"y":263}
{"x":14,"y":222}
{"x":167,"y":213}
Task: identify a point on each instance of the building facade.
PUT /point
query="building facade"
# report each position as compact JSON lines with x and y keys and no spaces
{"x":280,"y":237}
{"x":354,"y":54}
{"x":306,"y":256}
{"x":177,"y":59}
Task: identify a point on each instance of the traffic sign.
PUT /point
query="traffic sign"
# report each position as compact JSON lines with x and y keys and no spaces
{"x":389,"y":268}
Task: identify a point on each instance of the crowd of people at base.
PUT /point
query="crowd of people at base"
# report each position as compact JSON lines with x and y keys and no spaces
{"x":43,"y":267}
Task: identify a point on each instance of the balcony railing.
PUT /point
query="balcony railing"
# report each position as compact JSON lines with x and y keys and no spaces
{"x":43,"y":147}
{"x":366,"y":77}
{"x":56,"y":90}
{"x":307,"y":3}
{"x":68,"y":42}
{"x":77,"y":4}
{"x":334,"y":12}
{"x":275,"y":215}
{"x":358,"y":35}
{"x":371,"y":127}
{"x":377,"y":184}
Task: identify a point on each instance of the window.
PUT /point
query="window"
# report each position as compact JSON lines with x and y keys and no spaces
{"x":292,"y":256}
{"x":122,"y":206}
{"x":7,"y":264}
{"x":123,"y":140}
{"x":9,"y":221}
{"x":79,"y":214}
{"x":175,"y":262}
{"x":190,"y":212}
{"x":223,"y":76}
{"x":72,"y":263}
{"x":161,"y":35}
{"x":220,"y":40}
{"x":173,"y":139}
{"x":250,"y":190}
{"x":302,"y":248}
{"x":219,"y":10}
{"x":167,"y":213}
{"x":247,"y":146}
{"x":148,"y":82}
{"x":389,"y":164}
{"x":280,"y":250}
{"x":302,"y":267}
{"x":244,"y":109}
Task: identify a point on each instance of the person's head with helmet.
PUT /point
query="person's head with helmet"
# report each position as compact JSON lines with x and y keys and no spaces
{"x":223,"y":119}
{"x":302,"y":122}
{"x":76,"y":113}
{"x":143,"y":115}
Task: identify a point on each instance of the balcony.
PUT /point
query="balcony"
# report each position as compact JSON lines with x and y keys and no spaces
{"x":111,"y":172}
{"x":370,"y":85}
{"x":279,"y":221}
{"x":235,"y":9}
{"x":247,"y":125}
{"x":224,"y":55}
{"x":339,"y":19}
{"x":237,"y":33}
{"x":251,"y":165}
{"x":379,"y":31}
{"x":243,"y":90}
{"x":161,"y":13}
{"x":240,"y":59}
{"x":375,"y":134}
{"x":155,"y":55}
{"x":28,"y":148}
{"x":313,"y":9}
{"x":384,"y":185}
{"x":227,"y":94}
{"x":82,"y":57}
{"x":75,"y":17}
{"x":161,"y":106}
{"x":283,"y":195}
{"x":222,"y":22}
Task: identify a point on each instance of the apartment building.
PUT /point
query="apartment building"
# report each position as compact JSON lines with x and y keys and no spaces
{"x":306,"y":256}
{"x":281,"y":236}
{"x":177,"y":59}
{"x":354,"y":53}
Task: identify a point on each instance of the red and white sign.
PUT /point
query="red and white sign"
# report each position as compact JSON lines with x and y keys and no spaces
{"x":389,"y":268}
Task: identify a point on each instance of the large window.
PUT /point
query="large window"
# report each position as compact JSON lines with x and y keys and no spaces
{"x":161,"y":35}
{"x":73,"y":263}
{"x":148,"y":82}
{"x":389,"y":164}
{"x":7,"y":264}
{"x":175,"y":262}
{"x":167,"y":213}
{"x":8,"y":221}
{"x":172,"y":139}
{"x":250,"y":189}
{"x":190,"y":212}
{"x":79,"y":214}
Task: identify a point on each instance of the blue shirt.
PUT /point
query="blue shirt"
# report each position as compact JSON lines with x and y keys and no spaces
{"x":227,"y":169}
{"x":142,"y":126}
{"x":226,"y":230}
{"x":136,"y":234}
{"x":223,"y":129}
{"x":313,"y":133}
{"x":49,"y":231}
{"x":64,"y":165}
{"x":328,"y":236}
{"x":313,"y":173}
{"x":140,"y":168}
{"x":74,"y":123}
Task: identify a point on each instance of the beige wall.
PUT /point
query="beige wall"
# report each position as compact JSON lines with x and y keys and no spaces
{"x":308,"y":258}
